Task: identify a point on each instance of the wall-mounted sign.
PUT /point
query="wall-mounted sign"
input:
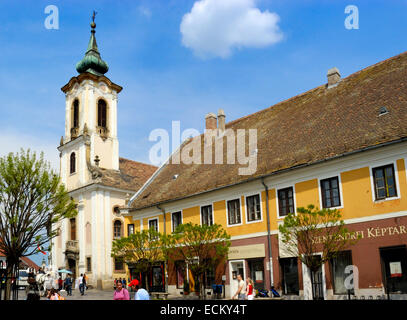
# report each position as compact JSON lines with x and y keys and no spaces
{"x":395,"y":269}
{"x":369,"y":233}
{"x":247,"y":252}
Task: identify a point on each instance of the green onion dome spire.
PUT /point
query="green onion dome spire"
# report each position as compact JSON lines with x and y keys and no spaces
{"x":92,"y":62}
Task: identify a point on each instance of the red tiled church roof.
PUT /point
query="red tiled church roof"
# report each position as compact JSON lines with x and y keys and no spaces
{"x":130,"y":176}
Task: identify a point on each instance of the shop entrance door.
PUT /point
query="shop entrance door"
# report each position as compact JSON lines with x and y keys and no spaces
{"x":236,"y":267}
{"x":256,"y":267}
{"x":72,"y":267}
{"x":314,"y":282}
{"x":317,"y":285}
{"x":157,"y":281}
{"x":394,"y":266}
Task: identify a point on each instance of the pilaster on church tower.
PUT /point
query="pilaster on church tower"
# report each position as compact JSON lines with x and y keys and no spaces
{"x":90,"y":119}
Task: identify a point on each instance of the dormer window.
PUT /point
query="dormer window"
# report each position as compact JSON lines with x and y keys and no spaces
{"x":72,"y":163}
{"x":102,"y":113}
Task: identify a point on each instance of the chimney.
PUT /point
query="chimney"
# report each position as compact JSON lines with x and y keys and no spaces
{"x":221,"y":120}
{"x":333,"y":77}
{"x":210,"y":121}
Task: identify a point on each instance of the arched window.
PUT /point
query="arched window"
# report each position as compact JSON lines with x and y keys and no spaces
{"x":102,"y":113}
{"x":72,"y":163}
{"x":75,"y":114}
{"x":117,"y":229}
{"x":73,"y":228}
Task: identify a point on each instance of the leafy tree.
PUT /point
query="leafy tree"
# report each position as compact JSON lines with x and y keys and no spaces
{"x":202,"y":247}
{"x":312,"y":231}
{"x":32,"y":199}
{"x":142,"y":248}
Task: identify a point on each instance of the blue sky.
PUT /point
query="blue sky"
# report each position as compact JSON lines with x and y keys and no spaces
{"x":163,"y":78}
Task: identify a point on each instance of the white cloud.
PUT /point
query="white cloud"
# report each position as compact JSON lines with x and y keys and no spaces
{"x":215,"y":27}
{"x":13,"y":142}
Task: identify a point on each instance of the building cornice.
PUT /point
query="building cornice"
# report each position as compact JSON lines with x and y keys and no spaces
{"x":89,"y":76}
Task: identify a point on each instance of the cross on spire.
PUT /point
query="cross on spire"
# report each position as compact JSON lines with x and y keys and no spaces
{"x":92,"y":62}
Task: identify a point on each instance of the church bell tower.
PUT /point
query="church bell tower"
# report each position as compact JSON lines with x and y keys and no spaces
{"x":90,"y":139}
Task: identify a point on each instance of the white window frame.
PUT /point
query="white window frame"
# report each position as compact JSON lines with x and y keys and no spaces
{"x":328,"y":176}
{"x":261,"y":207}
{"x":277,"y":200}
{"x":200,"y":212}
{"x":134,"y":228}
{"x":172,"y":221}
{"x":372,"y":185}
{"x":239,"y":197}
{"x":158,"y":223}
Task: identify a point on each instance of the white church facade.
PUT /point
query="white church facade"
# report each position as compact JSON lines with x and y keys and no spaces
{"x":94,"y":174}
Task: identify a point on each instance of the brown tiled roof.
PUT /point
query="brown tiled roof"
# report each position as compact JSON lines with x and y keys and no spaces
{"x":29,"y":263}
{"x":25,"y":260}
{"x":130,"y":176}
{"x":314,"y":126}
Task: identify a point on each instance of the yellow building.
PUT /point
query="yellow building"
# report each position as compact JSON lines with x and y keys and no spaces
{"x":341,"y":145}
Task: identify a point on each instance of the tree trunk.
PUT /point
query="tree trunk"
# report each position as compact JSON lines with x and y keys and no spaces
{"x":202,"y":288}
{"x":10,"y":272}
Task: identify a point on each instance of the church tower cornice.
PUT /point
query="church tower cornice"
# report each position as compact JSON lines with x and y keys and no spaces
{"x":89,"y":76}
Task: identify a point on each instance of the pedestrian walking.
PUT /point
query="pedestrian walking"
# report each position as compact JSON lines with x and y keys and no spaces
{"x":241,"y":290}
{"x":133,"y":283}
{"x":250,"y":288}
{"x":124,"y":283}
{"x":141,"y":294}
{"x":78,"y":282}
{"x":68,"y":285}
{"x":81,"y":285}
{"x":33,"y":293}
{"x":115,"y":284}
{"x":60,"y":282}
{"x":121,"y":293}
{"x":84,"y":282}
